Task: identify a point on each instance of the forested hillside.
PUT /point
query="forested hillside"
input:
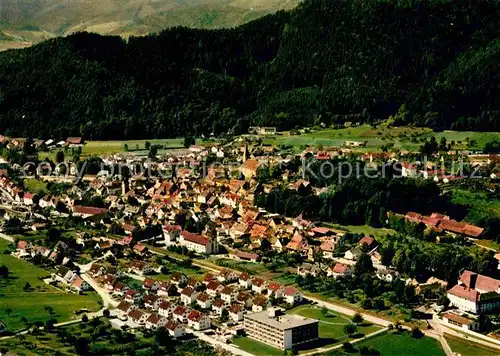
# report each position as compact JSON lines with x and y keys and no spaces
{"x":432,"y":63}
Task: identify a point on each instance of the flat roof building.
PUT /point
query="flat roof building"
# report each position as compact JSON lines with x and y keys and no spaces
{"x":280,"y":330}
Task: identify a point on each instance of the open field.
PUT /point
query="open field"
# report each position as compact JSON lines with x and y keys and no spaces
{"x":389,"y":344}
{"x":255,"y":347}
{"x":405,"y":137}
{"x":468,"y":348}
{"x":31,"y":304}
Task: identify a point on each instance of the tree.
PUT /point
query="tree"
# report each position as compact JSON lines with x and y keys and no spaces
{"x":415,"y":332}
{"x":224,"y":315}
{"x":27,"y":287}
{"x":49,"y":309}
{"x":125,"y":147}
{"x":60,"y":157}
{"x":350,"y":329}
{"x":324,"y":311}
{"x":147,"y":145}
{"x":8,"y":311}
{"x":4,"y":271}
{"x":368,"y":351}
{"x":106,"y":313}
{"x":347,"y":346}
{"x":363,"y":265}
{"x":85,"y":318}
{"x":189,"y":141}
{"x":82,"y":346}
{"x":357,"y":318}
{"x":153,"y":151}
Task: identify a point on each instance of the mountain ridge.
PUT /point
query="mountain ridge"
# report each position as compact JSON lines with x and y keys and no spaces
{"x":424,"y":63}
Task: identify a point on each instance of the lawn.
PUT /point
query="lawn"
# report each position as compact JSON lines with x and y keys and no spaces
{"x":31,"y":304}
{"x":389,"y":344}
{"x":249,"y":267}
{"x":331,"y":325}
{"x":468,"y":348}
{"x":255,"y":347}
{"x":34,"y":185}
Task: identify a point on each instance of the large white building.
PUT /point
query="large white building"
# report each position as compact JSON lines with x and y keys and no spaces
{"x":280,"y":330}
{"x":475,"y":293}
{"x":199,"y":243}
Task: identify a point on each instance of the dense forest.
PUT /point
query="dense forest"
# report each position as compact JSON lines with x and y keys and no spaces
{"x":324,"y":62}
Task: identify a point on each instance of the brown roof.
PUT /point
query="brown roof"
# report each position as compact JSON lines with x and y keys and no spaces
{"x":260,"y":300}
{"x":273,"y":286}
{"x":457,"y":318}
{"x":258,"y":282}
{"x":213,"y":285}
{"x":203,"y":297}
{"x":124,"y":306}
{"x":368,"y":240}
{"x":153,"y":318}
{"x":218,"y":303}
{"x":208,"y":277}
{"x":235,"y":308}
{"x":165,"y":305}
{"x":176,"y":276}
{"x":135,"y":314}
{"x":251,"y":164}
{"x":244,"y":276}
{"x":148,"y":282}
{"x":227,"y":290}
{"x":247,"y":255}
{"x":172,"y":325}
{"x":88,"y":210}
{"x":188,"y":291}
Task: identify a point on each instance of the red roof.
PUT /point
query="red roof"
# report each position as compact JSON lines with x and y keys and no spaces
{"x":340,"y":268}
{"x":227,"y":290}
{"x":479,"y":282}
{"x":74,"y":140}
{"x":258,"y":282}
{"x":464,"y":292}
{"x":124,"y":306}
{"x":195,"y":315}
{"x":273,"y":286}
{"x":172,"y":325}
{"x":368,"y":240}
{"x":28,"y":195}
{"x":88,"y":210}
{"x":244,"y":276}
{"x":136,"y":314}
{"x":165,"y":305}
{"x":180,"y":310}
{"x":213,"y":285}
{"x":289,"y":291}
{"x":195,"y":238}
{"x":203,"y":297}
{"x":153,"y":319}
{"x":208,"y":277}
{"x":170,"y":228}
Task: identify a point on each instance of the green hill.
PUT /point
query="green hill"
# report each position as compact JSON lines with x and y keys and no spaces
{"x":430,"y":63}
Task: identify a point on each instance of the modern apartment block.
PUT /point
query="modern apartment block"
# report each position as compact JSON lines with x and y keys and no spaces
{"x":280,"y":330}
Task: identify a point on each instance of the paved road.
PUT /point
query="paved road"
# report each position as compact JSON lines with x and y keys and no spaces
{"x":106,"y":299}
{"x":7,"y":237}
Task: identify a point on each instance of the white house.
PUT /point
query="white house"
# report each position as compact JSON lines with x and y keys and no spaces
{"x":292,"y":296}
{"x":198,"y":321}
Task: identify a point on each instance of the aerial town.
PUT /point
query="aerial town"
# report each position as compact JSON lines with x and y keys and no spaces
{"x":244,"y":247}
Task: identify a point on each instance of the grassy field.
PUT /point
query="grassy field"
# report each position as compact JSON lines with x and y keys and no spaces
{"x":467,"y":348}
{"x":31,"y":304}
{"x":256,"y":348}
{"x":389,"y":344}
{"x":249,"y":267}
{"x":96,"y":148}
{"x":409,"y":138}
{"x":480,"y":205}
{"x":331,"y":325}
{"x":363,"y":229}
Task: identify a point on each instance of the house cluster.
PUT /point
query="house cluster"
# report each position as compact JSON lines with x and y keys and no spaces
{"x":184,"y":302}
{"x":18,"y":143}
